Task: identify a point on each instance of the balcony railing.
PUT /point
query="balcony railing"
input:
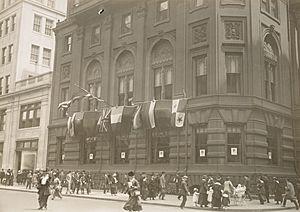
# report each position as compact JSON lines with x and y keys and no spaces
{"x":34,"y":81}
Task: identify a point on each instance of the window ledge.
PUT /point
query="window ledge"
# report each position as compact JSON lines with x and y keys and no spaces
{"x":126,"y":34}
{"x":162,"y":22}
{"x":270,"y":16}
{"x":95,"y":45}
{"x":198,"y":8}
{"x":67,"y":53}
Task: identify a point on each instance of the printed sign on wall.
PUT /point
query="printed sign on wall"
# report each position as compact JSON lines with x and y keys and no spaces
{"x":91,"y":156}
{"x":234,"y":151}
{"x":161,"y":154}
{"x":123,"y":155}
{"x":202,"y":152}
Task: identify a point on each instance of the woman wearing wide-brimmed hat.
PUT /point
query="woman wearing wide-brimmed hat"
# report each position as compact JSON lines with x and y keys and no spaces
{"x":134,"y":203}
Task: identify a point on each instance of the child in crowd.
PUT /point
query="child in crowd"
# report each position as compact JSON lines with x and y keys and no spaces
{"x":196,"y":197}
{"x":225,"y":199}
{"x":209,"y":194}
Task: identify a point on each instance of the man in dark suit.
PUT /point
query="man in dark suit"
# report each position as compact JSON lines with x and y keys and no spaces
{"x":203,"y":192}
{"x":184,"y":191}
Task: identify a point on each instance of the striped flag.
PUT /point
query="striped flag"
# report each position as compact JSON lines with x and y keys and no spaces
{"x":104,"y":121}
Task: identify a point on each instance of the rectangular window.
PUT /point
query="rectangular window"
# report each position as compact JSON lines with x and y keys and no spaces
{"x":30,"y":115}
{"x":162,"y":10}
{"x":168,"y":83}
{"x":160,"y":148}
{"x":274,"y":8}
{"x":126,"y":23}
{"x":122,"y":83}
{"x":121,"y":155}
{"x":68,"y":43}
{"x":3,"y":55}
{"x":34,"y":56}
{"x":48,"y":27}
{"x":51,"y":3}
{"x":2,"y":119}
{"x":234,"y":144}
{"x":201,"y":145}
{"x":265,"y":5}
{"x":1,"y":85}
{"x":201,"y":75}
{"x":10,"y":52}
{"x":46,"y":57}
{"x":1,"y":28}
{"x":129,"y":90}
{"x":273,"y":145}
{"x":95,"y":89}
{"x":95,"y":35}
{"x":61,"y":142}
{"x":37,"y":23}
{"x":233,"y":69}
{"x":157,"y":84}
{"x":13,"y":23}
{"x":7,"y":81}
{"x":6,"y":25}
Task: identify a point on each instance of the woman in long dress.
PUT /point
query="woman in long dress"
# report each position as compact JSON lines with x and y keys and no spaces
{"x":133,"y":204}
{"x":44,"y":190}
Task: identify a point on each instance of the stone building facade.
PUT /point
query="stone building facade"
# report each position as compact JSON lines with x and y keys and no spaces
{"x":231,"y":58}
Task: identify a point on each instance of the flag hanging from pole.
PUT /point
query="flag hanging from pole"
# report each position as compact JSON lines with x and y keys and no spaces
{"x":121,"y":119}
{"x":103,"y":123}
{"x":162,"y":114}
{"x":178,"y":111}
{"x":151,"y":113}
{"x":137,"y":122}
{"x":116,"y":114}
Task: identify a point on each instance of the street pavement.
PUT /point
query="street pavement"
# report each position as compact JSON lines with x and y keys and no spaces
{"x":97,"y":201}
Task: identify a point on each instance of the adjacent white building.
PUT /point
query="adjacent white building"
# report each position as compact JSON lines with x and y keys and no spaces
{"x":27,"y":44}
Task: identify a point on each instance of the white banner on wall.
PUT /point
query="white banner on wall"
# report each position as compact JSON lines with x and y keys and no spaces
{"x":202,"y":152}
{"x":234,"y":151}
{"x":161,"y":154}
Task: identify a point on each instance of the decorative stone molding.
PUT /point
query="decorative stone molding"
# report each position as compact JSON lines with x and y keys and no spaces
{"x":141,"y":10}
{"x":125,"y":62}
{"x":233,"y":30}
{"x":107,"y":22}
{"x":199,"y":33}
{"x":162,"y":52}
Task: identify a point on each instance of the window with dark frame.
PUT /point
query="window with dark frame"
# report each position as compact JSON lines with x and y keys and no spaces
{"x":68,"y":43}
{"x":1,"y":85}
{"x":6,"y":26}
{"x":95,"y":36}
{"x":163,"y":87}
{"x":234,"y":144}
{"x":37,"y":21}
{"x":13,"y":22}
{"x":162,"y":10}
{"x":7,"y":81}
{"x":89,"y":150}
{"x":2,"y":119}
{"x":3,"y":55}
{"x":1,"y":28}
{"x":64,"y":97}
{"x":234,"y":65}
{"x":121,"y":154}
{"x":273,"y":135}
{"x":125,"y":90}
{"x":201,"y":144}
{"x":200,"y":64}
{"x":10,"y":52}
{"x":27,"y":145}
{"x":61,"y":142}
{"x":34,"y":56}
{"x":30,"y":115}
{"x":48,"y":27}
{"x":270,"y":7}
{"x":160,"y":148}
{"x":46,"y":56}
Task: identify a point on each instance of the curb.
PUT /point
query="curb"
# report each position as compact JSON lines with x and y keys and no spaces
{"x":155,"y":203}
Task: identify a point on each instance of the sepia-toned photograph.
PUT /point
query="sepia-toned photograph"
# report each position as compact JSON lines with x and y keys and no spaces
{"x":149,"y":105}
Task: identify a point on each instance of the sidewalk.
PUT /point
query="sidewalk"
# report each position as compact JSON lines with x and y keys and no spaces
{"x":170,"y":200}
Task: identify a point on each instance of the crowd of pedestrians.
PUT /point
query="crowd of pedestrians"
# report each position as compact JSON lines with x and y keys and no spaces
{"x":210,"y":191}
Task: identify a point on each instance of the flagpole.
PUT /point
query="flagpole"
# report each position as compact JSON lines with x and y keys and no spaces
{"x":178,"y":140}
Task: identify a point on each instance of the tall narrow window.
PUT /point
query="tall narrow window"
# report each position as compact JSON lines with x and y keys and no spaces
{"x":126,"y":23}
{"x":270,"y":66}
{"x":7,"y":82}
{"x":46,"y":57}
{"x":273,"y":146}
{"x":233,"y":71}
{"x":34,"y":56}
{"x":125,"y":90}
{"x":201,"y":144}
{"x":95,"y":37}
{"x":1,"y":85}
{"x":270,"y":6}
{"x":121,"y":90}
{"x":1,"y":28}
{"x":201,"y":74}
{"x":3,"y":55}
{"x":121,"y":150}
{"x":13,"y":23}
{"x":64,"y":97}
{"x":157,"y":84}
{"x":68,"y":43}
{"x":10,"y":52}
{"x":93,"y":83}
{"x":234,"y":144}
{"x":6,"y":26}
{"x":162,"y":10}
{"x":48,"y":27}
{"x":2,"y":119}
{"x":37,"y":23}
{"x":61,"y":143}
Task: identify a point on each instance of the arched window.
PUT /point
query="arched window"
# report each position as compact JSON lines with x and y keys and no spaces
{"x":162,"y":66}
{"x":93,"y":83}
{"x":125,"y":70}
{"x":270,"y":67}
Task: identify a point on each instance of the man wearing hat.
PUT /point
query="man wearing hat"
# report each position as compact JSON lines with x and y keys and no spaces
{"x":203,"y":192}
{"x":290,"y":194}
{"x":184,"y":191}
{"x":277,"y":191}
